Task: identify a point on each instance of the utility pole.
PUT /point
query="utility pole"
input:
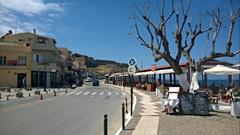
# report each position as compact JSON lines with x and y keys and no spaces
{"x":45,"y":85}
{"x":131,"y":95}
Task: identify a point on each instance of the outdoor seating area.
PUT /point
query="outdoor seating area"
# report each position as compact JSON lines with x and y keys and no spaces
{"x":164,"y":83}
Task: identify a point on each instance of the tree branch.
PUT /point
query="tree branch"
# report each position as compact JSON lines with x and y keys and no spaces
{"x":232,"y":24}
{"x":194,"y":35}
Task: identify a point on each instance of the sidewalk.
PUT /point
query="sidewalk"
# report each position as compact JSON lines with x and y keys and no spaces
{"x":149,"y":120}
{"x":146,"y":115}
{"x":13,"y":100}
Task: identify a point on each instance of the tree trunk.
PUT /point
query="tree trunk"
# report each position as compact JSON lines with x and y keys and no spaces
{"x":194,"y":82}
{"x":183,"y":82}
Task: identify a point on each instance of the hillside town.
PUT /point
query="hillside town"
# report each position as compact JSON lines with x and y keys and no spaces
{"x":38,"y":61}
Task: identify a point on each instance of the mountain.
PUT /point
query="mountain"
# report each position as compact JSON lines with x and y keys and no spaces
{"x":102,"y":66}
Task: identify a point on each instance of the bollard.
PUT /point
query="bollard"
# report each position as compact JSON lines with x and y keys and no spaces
{"x":41,"y":97}
{"x":105,"y":124}
{"x":29,"y":94}
{"x":0,"y":95}
{"x":55,"y":94}
{"x":126,"y":105}
{"x":7,"y":97}
{"x":123,"y":117}
{"x":66,"y":91}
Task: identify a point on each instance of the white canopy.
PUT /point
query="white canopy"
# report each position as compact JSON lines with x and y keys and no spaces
{"x":222,"y":70}
{"x":165,"y":71}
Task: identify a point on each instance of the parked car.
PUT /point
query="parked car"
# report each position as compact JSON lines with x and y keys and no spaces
{"x":95,"y":83}
{"x":73,"y":86}
{"x":88,"y":79}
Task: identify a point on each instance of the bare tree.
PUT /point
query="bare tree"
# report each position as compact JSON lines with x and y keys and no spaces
{"x":185,"y":35}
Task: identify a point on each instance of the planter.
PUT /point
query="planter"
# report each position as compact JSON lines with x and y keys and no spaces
{"x":19,"y":94}
{"x":37,"y":92}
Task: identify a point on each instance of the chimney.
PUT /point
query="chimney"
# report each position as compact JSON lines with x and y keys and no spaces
{"x":34,"y":31}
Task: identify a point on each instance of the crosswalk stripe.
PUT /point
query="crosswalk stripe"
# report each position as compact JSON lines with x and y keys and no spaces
{"x":93,"y":93}
{"x":101,"y":93}
{"x":117,"y":93}
{"x":109,"y":93}
{"x":86,"y":93}
{"x":71,"y":92}
{"x":79,"y":93}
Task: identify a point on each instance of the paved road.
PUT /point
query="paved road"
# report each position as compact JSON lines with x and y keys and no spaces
{"x":78,"y":113}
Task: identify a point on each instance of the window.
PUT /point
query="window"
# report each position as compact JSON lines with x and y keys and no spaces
{"x":22,"y":60}
{"x":37,"y":58}
{"x":2,"y":60}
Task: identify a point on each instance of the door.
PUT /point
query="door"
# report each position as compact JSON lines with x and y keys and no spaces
{"x":20,"y":79}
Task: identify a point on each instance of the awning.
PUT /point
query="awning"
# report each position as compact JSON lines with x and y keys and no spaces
{"x":137,"y":74}
{"x":149,"y":73}
{"x":165,"y":71}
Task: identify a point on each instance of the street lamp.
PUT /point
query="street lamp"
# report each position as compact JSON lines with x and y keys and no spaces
{"x":45,"y":84}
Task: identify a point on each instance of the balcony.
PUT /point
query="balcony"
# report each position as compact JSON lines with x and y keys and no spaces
{"x":44,"y":67}
{"x":14,"y":67}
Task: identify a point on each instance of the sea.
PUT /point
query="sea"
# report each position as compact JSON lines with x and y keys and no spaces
{"x":216,"y":82}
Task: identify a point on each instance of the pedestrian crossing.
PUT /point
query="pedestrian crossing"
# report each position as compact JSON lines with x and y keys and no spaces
{"x":78,"y":93}
{"x":95,"y":93}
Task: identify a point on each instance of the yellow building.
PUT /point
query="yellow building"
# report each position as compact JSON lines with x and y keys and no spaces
{"x":43,"y":58}
{"x":15,"y":62}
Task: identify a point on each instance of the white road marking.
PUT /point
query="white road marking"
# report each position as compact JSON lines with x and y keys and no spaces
{"x":117,"y":93}
{"x":109,"y":93}
{"x":94,"y":93}
{"x":86,"y":93}
{"x":71,"y":92}
{"x":123,"y":93}
{"x":79,"y":93}
{"x":101,"y":93}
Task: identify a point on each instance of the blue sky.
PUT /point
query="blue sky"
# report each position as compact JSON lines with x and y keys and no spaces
{"x":99,"y":28}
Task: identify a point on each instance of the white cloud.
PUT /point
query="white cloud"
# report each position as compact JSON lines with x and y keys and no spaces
{"x":30,"y":7}
{"x":53,"y":15}
{"x":10,"y":19}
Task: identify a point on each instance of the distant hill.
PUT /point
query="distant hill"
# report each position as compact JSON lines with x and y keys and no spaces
{"x":102,"y":66}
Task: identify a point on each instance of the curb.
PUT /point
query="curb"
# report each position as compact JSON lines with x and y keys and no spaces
{"x":128,"y":116}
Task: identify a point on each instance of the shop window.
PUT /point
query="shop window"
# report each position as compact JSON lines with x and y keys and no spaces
{"x":2,"y":60}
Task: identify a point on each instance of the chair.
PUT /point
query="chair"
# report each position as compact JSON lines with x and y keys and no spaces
{"x":173,"y":99}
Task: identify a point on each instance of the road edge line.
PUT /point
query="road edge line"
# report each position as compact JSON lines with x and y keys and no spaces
{"x":128,"y":117}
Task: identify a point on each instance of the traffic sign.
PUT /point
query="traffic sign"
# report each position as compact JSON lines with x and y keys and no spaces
{"x":132,"y":62}
{"x":131,"y":70}
{"x":154,"y":67}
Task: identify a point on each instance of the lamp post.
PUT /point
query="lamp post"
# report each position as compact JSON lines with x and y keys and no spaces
{"x":45,"y":84}
{"x":38,"y":78}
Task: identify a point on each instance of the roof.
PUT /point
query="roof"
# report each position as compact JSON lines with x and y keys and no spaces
{"x":163,"y":67}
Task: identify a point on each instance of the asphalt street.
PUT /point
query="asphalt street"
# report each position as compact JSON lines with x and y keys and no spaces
{"x":79,"y":112}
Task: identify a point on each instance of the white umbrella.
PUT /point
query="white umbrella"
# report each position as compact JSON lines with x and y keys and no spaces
{"x":222,"y":70}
